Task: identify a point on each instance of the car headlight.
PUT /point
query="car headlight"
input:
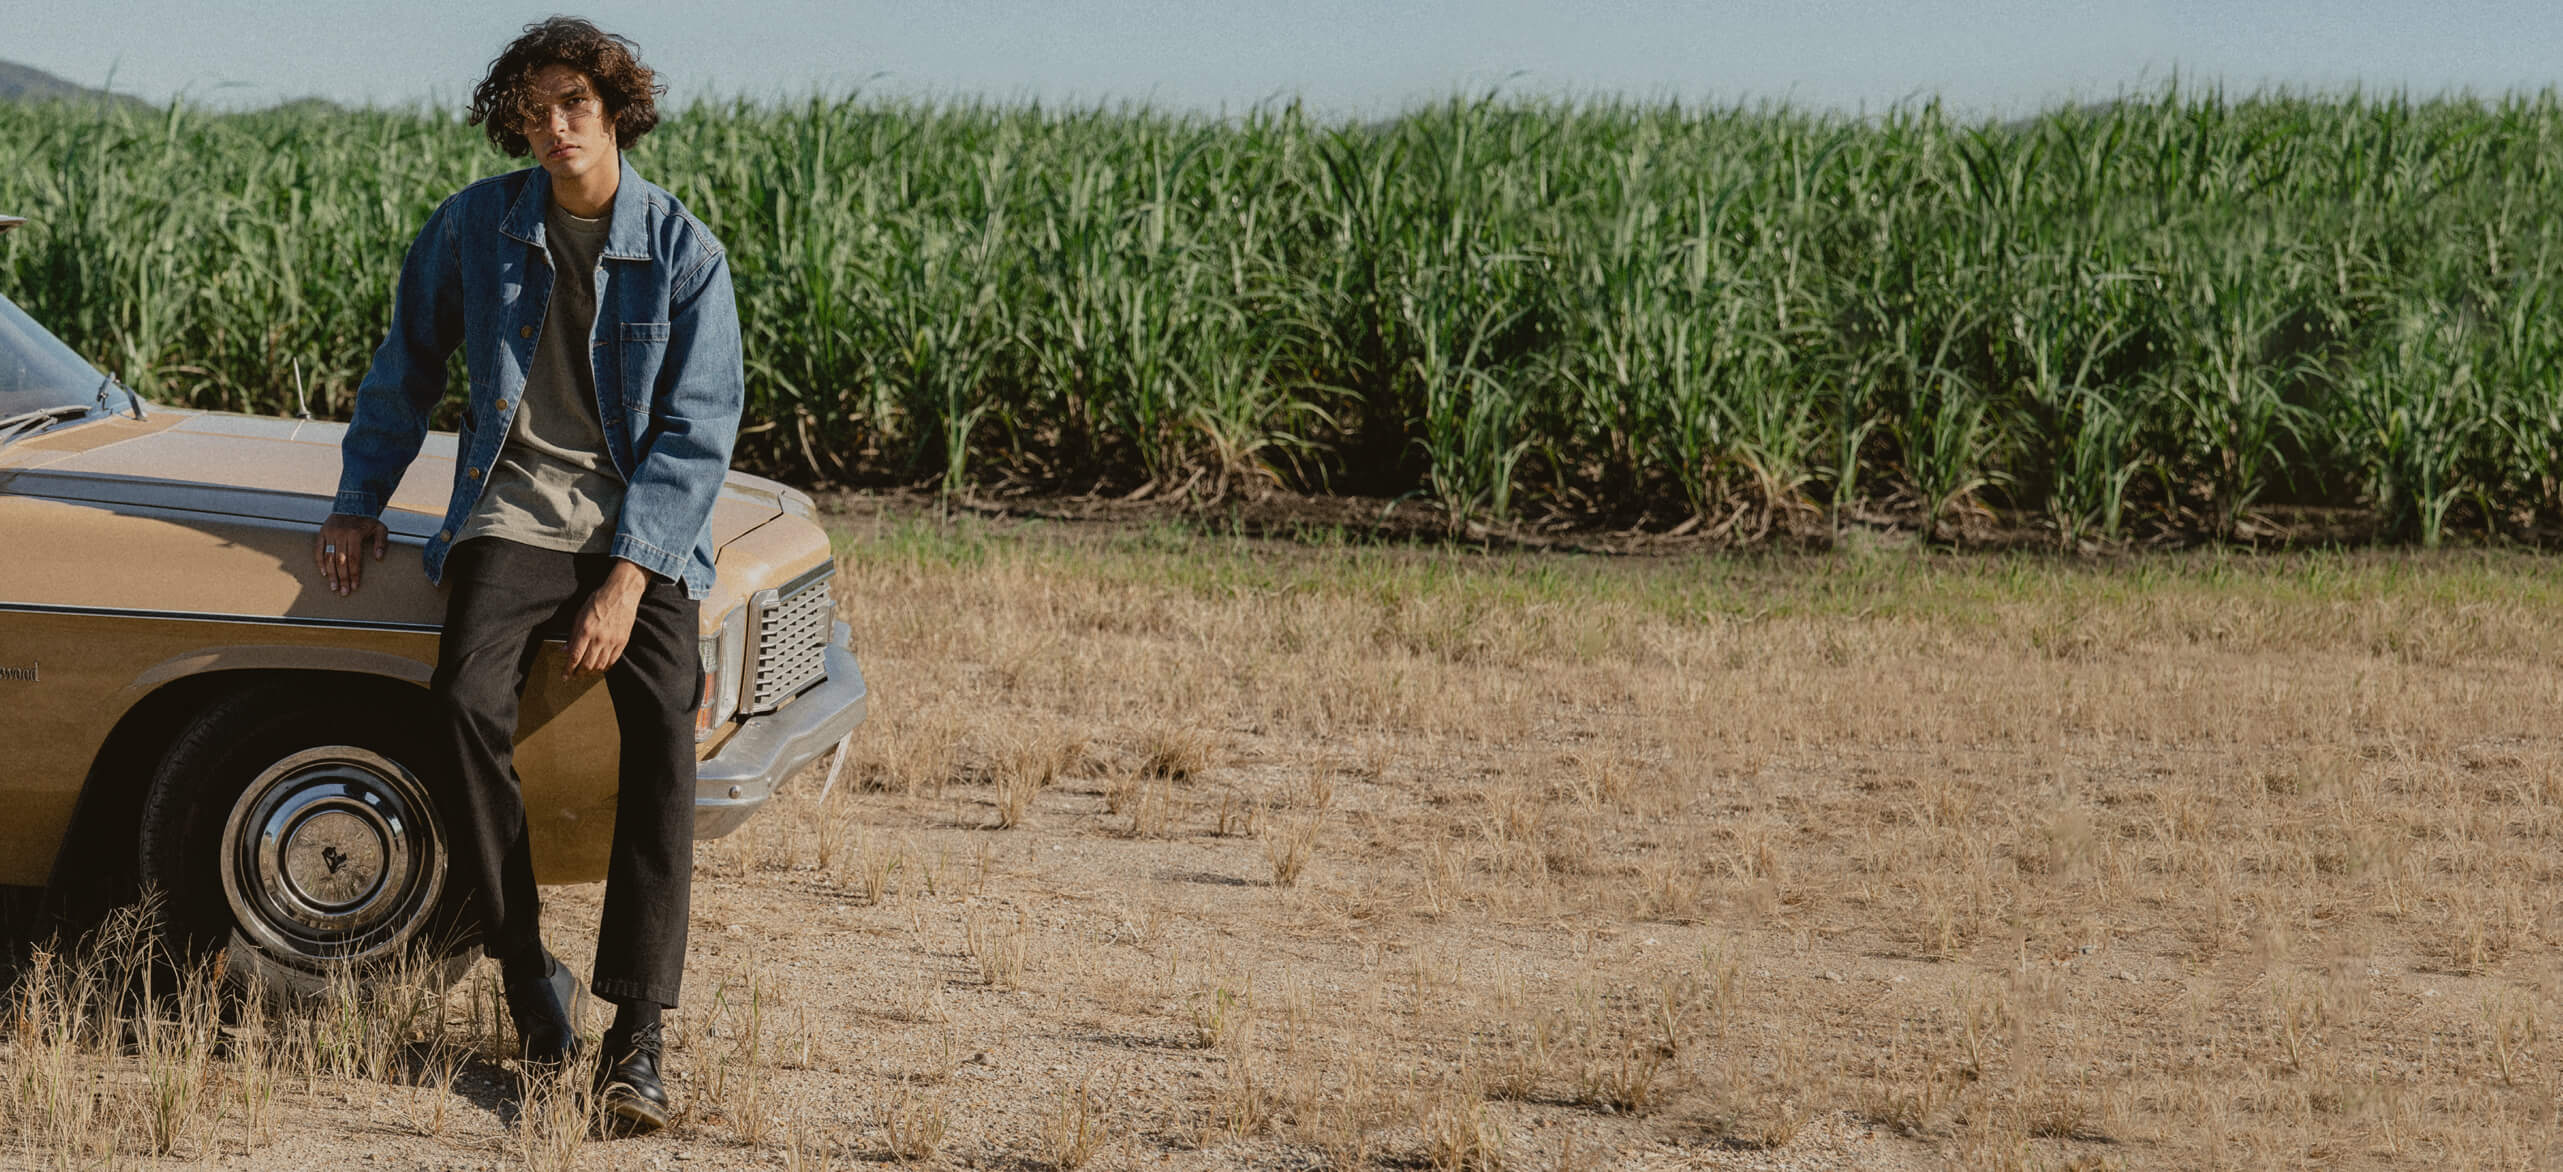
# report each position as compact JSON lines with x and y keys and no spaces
{"x":722,"y":653}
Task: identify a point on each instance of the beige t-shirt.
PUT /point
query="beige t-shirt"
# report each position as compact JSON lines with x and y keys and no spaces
{"x":554,"y":486}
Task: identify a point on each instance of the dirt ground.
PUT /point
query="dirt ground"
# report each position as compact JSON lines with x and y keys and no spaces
{"x":1169,"y":850}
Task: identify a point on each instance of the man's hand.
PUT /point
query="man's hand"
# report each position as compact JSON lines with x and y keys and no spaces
{"x":605,"y":621}
{"x":336,"y":551}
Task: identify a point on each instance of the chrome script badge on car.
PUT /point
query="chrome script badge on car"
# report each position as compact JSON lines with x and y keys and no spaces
{"x":27,"y":673}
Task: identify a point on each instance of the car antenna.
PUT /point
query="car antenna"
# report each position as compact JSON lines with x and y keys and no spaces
{"x":302,"y":405}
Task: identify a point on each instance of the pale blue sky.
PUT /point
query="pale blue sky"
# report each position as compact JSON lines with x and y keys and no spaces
{"x":1347,"y":56}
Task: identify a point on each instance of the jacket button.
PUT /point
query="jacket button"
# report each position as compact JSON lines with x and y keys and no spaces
{"x":525,"y":331}
{"x":474,"y":473}
{"x":445,"y":535}
{"x":504,"y":404}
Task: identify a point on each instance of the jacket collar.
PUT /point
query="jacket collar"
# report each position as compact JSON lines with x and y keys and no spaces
{"x":627,"y":234}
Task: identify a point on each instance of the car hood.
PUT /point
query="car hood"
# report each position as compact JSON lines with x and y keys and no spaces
{"x":280,"y":469}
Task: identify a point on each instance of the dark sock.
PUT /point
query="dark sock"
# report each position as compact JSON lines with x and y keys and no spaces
{"x":630,"y":1018}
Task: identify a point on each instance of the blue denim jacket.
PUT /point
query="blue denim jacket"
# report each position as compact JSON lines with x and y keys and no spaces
{"x":665,"y":345}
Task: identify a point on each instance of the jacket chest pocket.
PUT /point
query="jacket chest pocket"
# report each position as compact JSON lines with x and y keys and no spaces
{"x":640,"y":349}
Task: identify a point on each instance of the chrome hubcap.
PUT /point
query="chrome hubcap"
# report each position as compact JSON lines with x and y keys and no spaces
{"x":332,"y":854}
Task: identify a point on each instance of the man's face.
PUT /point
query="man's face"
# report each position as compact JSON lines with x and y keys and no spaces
{"x":569,"y":131}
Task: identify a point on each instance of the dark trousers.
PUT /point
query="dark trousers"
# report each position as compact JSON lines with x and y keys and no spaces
{"x":502,"y":595}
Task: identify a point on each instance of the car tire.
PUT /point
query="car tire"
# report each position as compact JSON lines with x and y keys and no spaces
{"x":288,"y":830}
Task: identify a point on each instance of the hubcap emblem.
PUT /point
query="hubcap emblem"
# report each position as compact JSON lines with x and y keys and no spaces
{"x":334,"y":858}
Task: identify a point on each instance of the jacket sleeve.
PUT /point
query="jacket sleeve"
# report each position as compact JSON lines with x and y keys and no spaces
{"x":680,"y":461}
{"x":408,"y":376}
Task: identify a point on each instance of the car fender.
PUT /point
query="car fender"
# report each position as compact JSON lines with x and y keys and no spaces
{"x":273,"y":657}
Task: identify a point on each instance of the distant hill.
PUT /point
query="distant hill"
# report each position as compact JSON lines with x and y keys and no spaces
{"x":28,"y":84}
{"x":306,"y":106}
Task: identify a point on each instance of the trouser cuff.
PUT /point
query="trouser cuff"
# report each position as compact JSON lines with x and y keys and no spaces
{"x":621,"y":991}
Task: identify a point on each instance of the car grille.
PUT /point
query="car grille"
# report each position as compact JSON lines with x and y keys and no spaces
{"x":793,"y":626}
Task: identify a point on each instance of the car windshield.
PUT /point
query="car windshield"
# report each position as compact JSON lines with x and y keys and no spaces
{"x":37,"y":371}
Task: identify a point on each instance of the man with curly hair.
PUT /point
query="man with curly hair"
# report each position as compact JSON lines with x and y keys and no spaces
{"x":596,"y":320}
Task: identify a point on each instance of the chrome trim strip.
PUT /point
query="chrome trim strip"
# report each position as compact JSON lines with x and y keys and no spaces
{"x":186,"y":616}
{"x":752,"y":648}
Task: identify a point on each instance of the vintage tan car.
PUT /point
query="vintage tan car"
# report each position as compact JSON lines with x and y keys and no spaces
{"x":191,"y":710}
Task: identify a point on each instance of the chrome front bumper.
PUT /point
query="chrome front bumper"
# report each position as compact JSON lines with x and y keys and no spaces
{"x":730,"y":784}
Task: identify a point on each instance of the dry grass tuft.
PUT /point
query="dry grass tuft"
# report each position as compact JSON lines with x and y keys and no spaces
{"x":1151,"y":803}
{"x":554,"y":1120}
{"x":1239,"y":815}
{"x":1244,"y":1103}
{"x":1517,"y":1060}
{"x":1289,"y":843}
{"x":913,"y":1125}
{"x":1621,"y":1078}
{"x":1015,"y":791}
{"x":876,"y":864}
{"x":1178,"y":752}
{"x":1222,"y":1018}
{"x":1073,"y":1131}
{"x":1030,"y":761}
{"x":906,"y":752}
{"x":1001,"y":945}
{"x":1461,"y":1136}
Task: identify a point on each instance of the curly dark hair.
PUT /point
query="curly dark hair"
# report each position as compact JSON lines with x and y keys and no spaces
{"x":504,"y":99}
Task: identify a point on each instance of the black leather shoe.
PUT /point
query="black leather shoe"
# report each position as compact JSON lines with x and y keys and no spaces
{"x":627,"y":1082}
{"x":542,"y":1009}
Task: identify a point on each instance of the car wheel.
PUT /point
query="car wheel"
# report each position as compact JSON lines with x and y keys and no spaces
{"x":289,"y":830}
